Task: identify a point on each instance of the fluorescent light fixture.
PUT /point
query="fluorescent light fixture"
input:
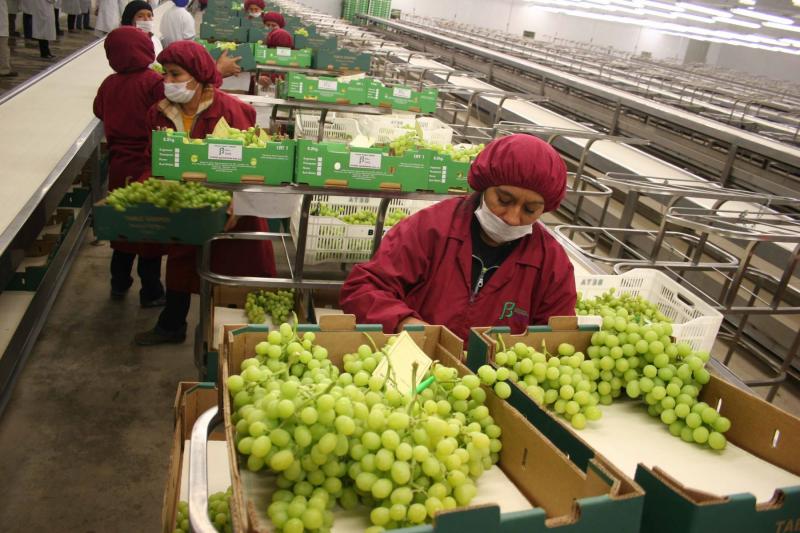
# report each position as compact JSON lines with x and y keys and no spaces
{"x":783,"y":27}
{"x":658,"y":13}
{"x":696,"y":18}
{"x":761,"y":16}
{"x":747,"y":2}
{"x":662,"y":5}
{"x":737,"y":22}
{"x":703,"y":9}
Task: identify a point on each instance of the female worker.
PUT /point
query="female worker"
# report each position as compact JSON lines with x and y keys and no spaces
{"x":254,"y":8}
{"x":195,"y":105}
{"x":122,"y":103}
{"x":276,"y":38}
{"x":140,"y":14}
{"x":273,"y":20}
{"x":481,"y":260}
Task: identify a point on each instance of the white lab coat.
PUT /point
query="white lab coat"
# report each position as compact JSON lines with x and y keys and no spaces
{"x":13,"y":7}
{"x":86,"y":6}
{"x":71,"y":7}
{"x":177,"y":24}
{"x":44,"y":20}
{"x":109,"y":14}
{"x":3,"y":18}
{"x":157,"y":46}
{"x":26,"y":6}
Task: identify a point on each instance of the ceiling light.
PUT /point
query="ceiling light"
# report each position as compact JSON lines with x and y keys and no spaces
{"x":737,"y":22}
{"x":761,"y":16}
{"x":662,"y":5}
{"x":696,"y":18}
{"x":658,"y":13}
{"x":747,"y":2}
{"x":782,"y":27}
{"x":703,"y":9}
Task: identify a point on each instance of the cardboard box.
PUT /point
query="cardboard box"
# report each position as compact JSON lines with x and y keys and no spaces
{"x":148,"y":223}
{"x":669,"y":506}
{"x":315,"y":42}
{"x":257,"y":35}
{"x":562,"y":497}
{"x":337,"y":165}
{"x":341,"y":60}
{"x":285,"y":57}
{"x":447,"y":175}
{"x":191,"y":400}
{"x":222,"y":18}
{"x":244,"y":50}
{"x":213,"y":32}
{"x":221,"y":160}
{"x":323,"y":89}
{"x":401,"y":97}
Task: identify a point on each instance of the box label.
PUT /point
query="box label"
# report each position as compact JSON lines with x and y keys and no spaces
{"x":399,"y":92}
{"x":225,"y":152}
{"x":283,"y":52}
{"x":359,"y":160}
{"x":328,"y":85}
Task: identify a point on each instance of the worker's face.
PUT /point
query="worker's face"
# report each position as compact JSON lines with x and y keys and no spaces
{"x":142,"y":15}
{"x":271,"y":25}
{"x":254,"y":11}
{"x":176,"y":74}
{"x":514,"y":205}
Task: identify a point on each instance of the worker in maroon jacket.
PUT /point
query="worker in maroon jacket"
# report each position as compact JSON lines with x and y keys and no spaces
{"x":481,"y":260}
{"x":273,"y":20}
{"x":194,"y":104}
{"x":122,"y":103}
{"x":254,"y":9}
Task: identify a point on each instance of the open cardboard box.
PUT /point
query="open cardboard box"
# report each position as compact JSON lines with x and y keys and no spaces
{"x":191,"y":401}
{"x":561,"y":496}
{"x":764,"y":438}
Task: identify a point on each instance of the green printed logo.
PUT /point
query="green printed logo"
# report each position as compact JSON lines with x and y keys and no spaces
{"x":508,"y":310}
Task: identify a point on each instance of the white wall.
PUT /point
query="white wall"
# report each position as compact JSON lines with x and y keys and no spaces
{"x":329,"y":7}
{"x":515,"y":16}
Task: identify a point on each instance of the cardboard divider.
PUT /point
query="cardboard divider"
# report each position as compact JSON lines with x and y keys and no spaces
{"x":191,"y":400}
{"x":758,"y":427}
{"x":539,"y":470}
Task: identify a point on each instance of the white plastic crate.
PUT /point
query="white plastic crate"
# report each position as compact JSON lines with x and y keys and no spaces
{"x":337,"y":129}
{"x":694,"y":321}
{"x":330,"y":240}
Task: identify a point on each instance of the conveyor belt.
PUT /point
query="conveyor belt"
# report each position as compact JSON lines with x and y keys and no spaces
{"x":755,"y":143}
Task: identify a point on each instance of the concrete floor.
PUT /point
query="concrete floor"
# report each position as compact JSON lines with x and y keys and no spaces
{"x":84,"y":441}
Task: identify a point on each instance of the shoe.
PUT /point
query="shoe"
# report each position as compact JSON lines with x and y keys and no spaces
{"x":89,"y":28}
{"x":161,"y":301}
{"x":60,"y":33}
{"x":48,"y":56}
{"x":9,"y":75}
{"x":159,"y":336}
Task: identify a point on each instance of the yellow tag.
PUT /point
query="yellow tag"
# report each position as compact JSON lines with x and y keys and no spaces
{"x":403,"y":354}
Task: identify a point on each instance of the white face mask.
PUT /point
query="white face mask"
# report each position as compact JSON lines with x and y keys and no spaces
{"x":179,"y":92}
{"x":145,"y":25}
{"x":496,"y":229}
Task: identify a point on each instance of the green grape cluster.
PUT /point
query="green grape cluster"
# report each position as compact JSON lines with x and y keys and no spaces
{"x":413,"y":141}
{"x":633,"y":354}
{"x":350,"y":437}
{"x":219,"y":512}
{"x":361,"y":217}
{"x":279,"y":305}
{"x":301,"y":31}
{"x":252,"y":137}
{"x":171,"y":195}
{"x":567,"y":383}
{"x":224,"y":45}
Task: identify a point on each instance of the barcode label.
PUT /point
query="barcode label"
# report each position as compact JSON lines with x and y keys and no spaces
{"x":399,"y":92}
{"x":225,"y":152}
{"x":328,"y":85}
{"x":358,"y":160}
{"x":283,"y":52}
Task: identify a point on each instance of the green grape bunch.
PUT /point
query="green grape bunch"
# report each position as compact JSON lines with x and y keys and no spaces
{"x":279,"y":305}
{"x":413,"y":140}
{"x":219,"y":513}
{"x":350,"y":437}
{"x":170,"y":195}
{"x":365,"y":217}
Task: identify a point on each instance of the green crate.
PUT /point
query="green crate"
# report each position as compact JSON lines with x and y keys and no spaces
{"x":337,"y":165}
{"x":285,"y":57}
{"x":447,"y":175}
{"x":213,"y":32}
{"x":148,"y":223}
{"x":401,"y":97}
{"x":323,"y":89}
{"x":222,"y":18}
{"x":221,"y":160}
{"x":341,"y":59}
{"x":315,"y":42}
{"x":244,"y":50}
{"x":257,"y":35}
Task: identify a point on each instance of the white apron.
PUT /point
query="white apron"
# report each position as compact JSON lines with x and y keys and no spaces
{"x":71,"y":7}
{"x":13,"y":7}
{"x":3,"y":18}
{"x":109,"y":14}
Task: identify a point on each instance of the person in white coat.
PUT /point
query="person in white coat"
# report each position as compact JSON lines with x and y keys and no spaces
{"x":5,"y":53}
{"x":177,"y":24}
{"x":86,"y":13}
{"x":109,"y":13}
{"x":74,"y":16}
{"x":13,"y":9}
{"x":44,"y":26}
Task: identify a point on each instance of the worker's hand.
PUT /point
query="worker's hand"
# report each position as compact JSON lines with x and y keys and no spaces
{"x":265,"y":80}
{"x":410,"y":321}
{"x":232,"y":219}
{"x":228,"y":66}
